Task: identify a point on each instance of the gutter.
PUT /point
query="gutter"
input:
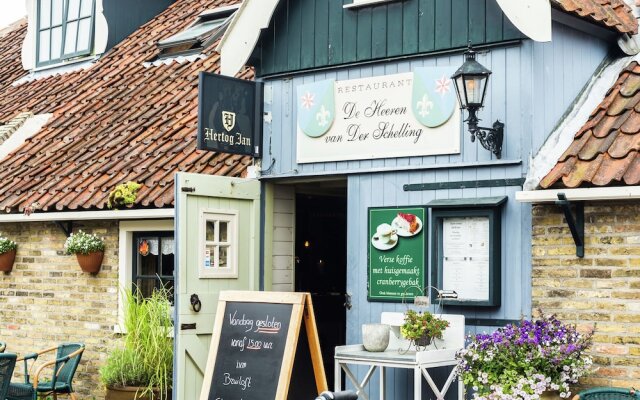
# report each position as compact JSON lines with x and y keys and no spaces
{"x":156,"y":213}
{"x":581,"y":194}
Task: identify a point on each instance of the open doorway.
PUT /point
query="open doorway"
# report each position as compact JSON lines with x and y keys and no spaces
{"x":321,"y":261}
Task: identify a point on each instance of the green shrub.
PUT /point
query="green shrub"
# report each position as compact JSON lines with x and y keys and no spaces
{"x":6,"y":245}
{"x":83,"y":243}
{"x":145,"y":356}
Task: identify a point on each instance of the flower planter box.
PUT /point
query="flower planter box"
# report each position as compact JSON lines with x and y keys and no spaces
{"x":6,"y":261}
{"x":90,"y":262}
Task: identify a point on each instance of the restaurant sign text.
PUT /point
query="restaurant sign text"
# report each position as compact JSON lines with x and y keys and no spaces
{"x":408,"y":114}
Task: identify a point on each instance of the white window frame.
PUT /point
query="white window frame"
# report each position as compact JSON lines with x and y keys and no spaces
{"x":125,"y":261}
{"x":231,"y":217}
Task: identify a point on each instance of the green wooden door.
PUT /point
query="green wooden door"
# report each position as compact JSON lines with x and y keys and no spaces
{"x":217,"y":224}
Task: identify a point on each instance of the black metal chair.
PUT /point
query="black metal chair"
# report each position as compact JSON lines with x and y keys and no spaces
{"x":7,"y":364}
{"x":68,"y":357}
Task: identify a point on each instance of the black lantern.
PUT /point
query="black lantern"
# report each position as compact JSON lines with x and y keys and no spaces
{"x":471,"y":81}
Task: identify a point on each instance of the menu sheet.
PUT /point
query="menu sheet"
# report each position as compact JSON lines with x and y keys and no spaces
{"x":465,"y":264}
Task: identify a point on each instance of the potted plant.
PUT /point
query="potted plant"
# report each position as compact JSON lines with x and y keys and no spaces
{"x":88,"y":248}
{"x":536,"y":359}
{"x":422,"y":327}
{"x":7,"y":254}
{"x":141,"y":367}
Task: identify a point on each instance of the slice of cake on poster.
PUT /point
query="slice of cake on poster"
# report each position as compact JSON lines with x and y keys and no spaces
{"x":407,"y":224}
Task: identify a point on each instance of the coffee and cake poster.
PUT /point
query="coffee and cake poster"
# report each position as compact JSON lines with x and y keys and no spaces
{"x":397,"y":259}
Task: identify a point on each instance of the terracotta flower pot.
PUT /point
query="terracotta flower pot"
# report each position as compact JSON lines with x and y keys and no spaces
{"x":129,"y":393}
{"x":90,"y":262}
{"x":6,"y":261}
{"x":550,"y":395}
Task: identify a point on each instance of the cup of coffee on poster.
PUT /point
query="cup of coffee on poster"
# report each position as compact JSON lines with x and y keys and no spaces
{"x":386,"y":233}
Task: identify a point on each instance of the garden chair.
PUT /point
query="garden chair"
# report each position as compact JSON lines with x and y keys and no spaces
{"x":608,"y":393}
{"x":7,"y":364}
{"x":64,"y":367}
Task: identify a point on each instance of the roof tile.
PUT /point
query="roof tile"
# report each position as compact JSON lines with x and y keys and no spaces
{"x":612,"y":14}
{"x":118,"y":120}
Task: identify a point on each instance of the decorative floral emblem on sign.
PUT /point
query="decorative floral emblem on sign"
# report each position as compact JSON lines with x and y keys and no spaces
{"x":316,"y":105}
{"x":433,"y":100}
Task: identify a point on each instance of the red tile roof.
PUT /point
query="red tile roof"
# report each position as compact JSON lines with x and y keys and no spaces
{"x":117,"y":121}
{"x":10,"y":48}
{"x":613,"y":14}
{"x":606,"y":150}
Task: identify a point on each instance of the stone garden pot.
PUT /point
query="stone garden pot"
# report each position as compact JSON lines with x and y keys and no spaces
{"x":129,"y":393}
{"x":6,"y":261}
{"x":90,"y":262}
{"x":375,"y":337}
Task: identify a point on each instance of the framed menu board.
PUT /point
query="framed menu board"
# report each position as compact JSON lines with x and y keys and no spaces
{"x":397,"y":260}
{"x":466,"y":254}
{"x":256,"y":346}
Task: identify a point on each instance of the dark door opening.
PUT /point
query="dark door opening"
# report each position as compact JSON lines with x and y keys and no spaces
{"x":321,"y":267}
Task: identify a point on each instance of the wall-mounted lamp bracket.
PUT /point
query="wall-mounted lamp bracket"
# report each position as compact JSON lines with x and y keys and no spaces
{"x":66,"y":226}
{"x":490,"y":138}
{"x":576,"y":225}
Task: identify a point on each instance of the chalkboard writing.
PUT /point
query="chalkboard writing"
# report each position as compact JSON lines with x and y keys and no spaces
{"x":251,"y":349}
{"x":256,"y":339}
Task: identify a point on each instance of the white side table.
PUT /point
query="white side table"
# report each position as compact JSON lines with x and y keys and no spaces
{"x":420,"y":362}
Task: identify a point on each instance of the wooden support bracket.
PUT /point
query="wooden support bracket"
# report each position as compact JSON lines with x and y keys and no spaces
{"x":576,"y":225}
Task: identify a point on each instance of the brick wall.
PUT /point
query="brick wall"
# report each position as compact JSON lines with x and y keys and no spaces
{"x":47,"y":299}
{"x":603,"y":288}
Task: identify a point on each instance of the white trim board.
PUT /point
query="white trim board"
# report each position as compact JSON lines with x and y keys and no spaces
{"x":581,"y":194}
{"x":156,"y":213}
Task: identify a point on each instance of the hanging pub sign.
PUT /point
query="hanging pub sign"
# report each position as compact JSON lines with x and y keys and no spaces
{"x":396,"y":253}
{"x":401,"y":115}
{"x":229,"y":115}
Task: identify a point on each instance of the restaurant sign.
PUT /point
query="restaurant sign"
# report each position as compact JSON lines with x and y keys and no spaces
{"x":408,"y":114}
{"x":229,"y":115}
{"x":396,"y":253}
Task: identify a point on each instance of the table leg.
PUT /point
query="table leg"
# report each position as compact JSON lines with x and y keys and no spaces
{"x":383,"y":378}
{"x":417,"y":384}
{"x":337,"y":375}
{"x":460,"y":388}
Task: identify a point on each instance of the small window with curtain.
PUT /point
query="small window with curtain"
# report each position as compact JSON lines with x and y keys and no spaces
{"x":219,"y":244}
{"x":153,"y":262}
{"x":65,"y":30}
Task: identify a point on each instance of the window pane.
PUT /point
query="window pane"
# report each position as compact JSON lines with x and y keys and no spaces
{"x":211,"y":229}
{"x":56,"y":42}
{"x":167,"y":265}
{"x":44,"y":46}
{"x":224,"y":228}
{"x":73,"y":10}
{"x":209,"y":256}
{"x":223,"y":257}
{"x":87,"y":8}
{"x":70,"y":39}
{"x":57,"y":12}
{"x":84,"y":34}
{"x":146,"y":286}
{"x":45,"y":13}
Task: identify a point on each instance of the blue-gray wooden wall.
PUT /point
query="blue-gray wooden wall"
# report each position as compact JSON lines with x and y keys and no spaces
{"x":532,"y":86}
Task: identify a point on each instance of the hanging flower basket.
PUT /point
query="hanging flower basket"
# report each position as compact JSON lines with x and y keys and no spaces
{"x":7,"y":254}
{"x":89,"y":250}
{"x":90,"y":262}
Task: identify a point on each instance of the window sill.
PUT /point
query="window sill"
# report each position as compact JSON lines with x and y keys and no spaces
{"x":54,"y":69}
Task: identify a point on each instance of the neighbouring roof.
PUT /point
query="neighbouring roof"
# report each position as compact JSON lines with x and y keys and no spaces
{"x":121,"y":119}
{"x":10,"y":47}
{"x":613,"y":14}
{"x":606,"y":150}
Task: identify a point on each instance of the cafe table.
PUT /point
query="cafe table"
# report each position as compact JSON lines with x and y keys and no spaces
{"x":440,"y":354}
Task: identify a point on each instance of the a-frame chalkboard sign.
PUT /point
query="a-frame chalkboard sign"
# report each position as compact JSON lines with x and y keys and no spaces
{"x":254,"y":346}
